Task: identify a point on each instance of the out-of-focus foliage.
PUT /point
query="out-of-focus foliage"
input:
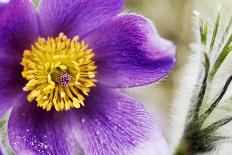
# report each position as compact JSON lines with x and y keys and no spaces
{"x":36,"y":2}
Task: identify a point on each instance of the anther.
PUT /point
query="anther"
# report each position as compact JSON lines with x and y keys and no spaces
{"x":60,"y":72}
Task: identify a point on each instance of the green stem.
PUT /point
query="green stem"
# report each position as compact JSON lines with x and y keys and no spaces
{"x":183,"y":149}
{"x":201,"y":95}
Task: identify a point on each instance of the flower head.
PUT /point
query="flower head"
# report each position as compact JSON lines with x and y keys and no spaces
{"x":69,"y":58}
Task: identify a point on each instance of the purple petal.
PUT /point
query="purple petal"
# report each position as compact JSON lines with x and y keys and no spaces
{"x":18,"y":28}
{"x":112,"y":123}
{"x":34,"y":131}
{"x":75,"y":17}
{"x":129,"y":52}
{"x":1,"y":151}
{"x":11,"y":84}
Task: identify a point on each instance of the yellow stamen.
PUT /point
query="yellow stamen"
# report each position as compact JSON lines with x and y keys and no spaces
{"x":60,"y":72}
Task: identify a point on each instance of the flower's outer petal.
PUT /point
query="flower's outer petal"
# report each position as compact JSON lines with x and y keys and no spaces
{"x":18,"y":28}
{"x":112,"y":123}
{"x":129,"y":52}
{"x":75,"y":17}
{"x":11,"y":84}
{"x":34,"y":131}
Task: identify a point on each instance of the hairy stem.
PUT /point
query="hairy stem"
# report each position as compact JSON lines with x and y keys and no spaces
{"x":215,"y":103}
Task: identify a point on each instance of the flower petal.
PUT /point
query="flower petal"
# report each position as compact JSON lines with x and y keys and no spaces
{"x":11,"y":84}
{"x":112,"y":123}
{"x":18,"y":28}
{"x":75,"y":17}
{"x":34,"y":131}
{"x":129,"y":52}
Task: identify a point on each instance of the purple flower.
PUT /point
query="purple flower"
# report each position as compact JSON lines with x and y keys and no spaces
{"x":73,"y":56}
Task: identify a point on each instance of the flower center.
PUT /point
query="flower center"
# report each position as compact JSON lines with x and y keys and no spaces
{"x":59,"y":71}
{"x":65,"y":79}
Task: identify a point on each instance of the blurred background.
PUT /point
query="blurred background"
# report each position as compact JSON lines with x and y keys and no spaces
{"x":173,"y":20}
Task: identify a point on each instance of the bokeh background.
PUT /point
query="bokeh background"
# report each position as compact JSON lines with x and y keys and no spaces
{"x":173,"y":20}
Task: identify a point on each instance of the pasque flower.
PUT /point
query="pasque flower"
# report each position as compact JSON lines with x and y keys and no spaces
{"x":68,"y":59}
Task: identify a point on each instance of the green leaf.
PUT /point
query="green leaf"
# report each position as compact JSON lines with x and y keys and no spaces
{"x":213,"y":127}
{"x":225,"y":51}
{"x":204,"y":32}
{"x":216,"y":102}
{"x":226,"y":32}
{"x":217,"y":23}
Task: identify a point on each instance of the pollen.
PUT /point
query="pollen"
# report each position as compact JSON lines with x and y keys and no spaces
{"x":60,"y":72}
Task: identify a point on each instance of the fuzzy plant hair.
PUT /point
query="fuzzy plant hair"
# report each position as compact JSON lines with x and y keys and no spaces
{"x":201,"y":119}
